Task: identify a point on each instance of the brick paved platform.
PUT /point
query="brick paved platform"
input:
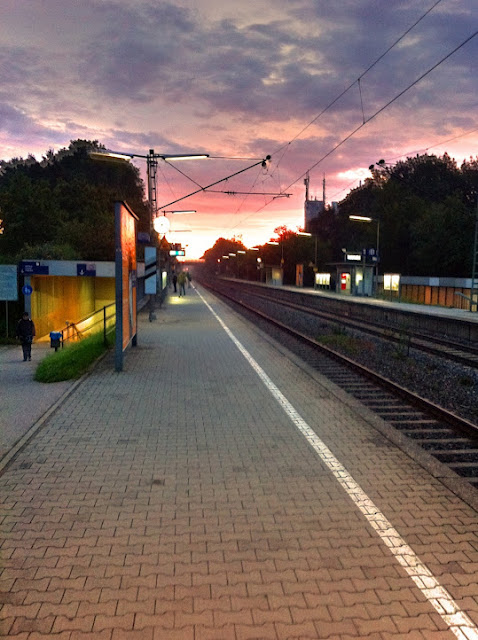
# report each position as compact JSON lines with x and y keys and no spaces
{"x":211,"y":493}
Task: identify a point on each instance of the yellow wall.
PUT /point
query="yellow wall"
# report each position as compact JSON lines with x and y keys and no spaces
{"x":57,"y":300}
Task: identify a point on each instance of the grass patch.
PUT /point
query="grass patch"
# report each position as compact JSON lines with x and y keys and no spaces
{"x":72,"y":361}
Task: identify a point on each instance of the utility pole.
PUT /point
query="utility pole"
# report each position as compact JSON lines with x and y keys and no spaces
{"x":306,"y":182}
{"x":152,"y":168}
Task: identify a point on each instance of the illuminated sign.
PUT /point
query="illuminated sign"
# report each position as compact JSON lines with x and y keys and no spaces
{"x":354,"y":256}
{"x":177,"y":252}
{"x":125,"y":276}
{"x":391,"y":281}
{"x":322,"y":279}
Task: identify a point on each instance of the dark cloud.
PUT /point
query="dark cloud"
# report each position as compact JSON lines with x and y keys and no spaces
{"x":237,"y":77}
{"x":15,"y":122}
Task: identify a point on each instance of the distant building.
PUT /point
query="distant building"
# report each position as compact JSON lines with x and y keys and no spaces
{"x":312,"y":208}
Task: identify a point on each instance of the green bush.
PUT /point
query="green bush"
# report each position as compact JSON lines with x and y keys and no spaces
{"x":72,"y":361}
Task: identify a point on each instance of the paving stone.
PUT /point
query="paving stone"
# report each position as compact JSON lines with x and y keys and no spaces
{"x":177,"y":500}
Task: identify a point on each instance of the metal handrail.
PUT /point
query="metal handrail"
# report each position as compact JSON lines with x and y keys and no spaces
{"x":87,"y":325}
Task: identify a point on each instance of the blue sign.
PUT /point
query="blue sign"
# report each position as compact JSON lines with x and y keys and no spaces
{"x":27,"y":290}
{"x":84,"y":269}
{"x":33,"y":268}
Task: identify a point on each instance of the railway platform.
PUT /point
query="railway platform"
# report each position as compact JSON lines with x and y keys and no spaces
{"x":219,"y":489}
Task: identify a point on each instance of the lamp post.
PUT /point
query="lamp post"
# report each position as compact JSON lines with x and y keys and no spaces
{"x":377,"y":248}
{"x":152,"y":159}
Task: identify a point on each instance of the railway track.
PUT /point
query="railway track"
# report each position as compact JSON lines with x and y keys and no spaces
{"x":442,"y":346}
{"x":450,"y":439}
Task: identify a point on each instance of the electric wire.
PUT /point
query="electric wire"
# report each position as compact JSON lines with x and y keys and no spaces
{"x":357,"y":80}
{"x":409,"y":154}
{"x":372,"y":117}
{"x":284,"y":148}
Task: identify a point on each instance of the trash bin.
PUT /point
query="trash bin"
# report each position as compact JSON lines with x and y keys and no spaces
{"x":55,"y":340}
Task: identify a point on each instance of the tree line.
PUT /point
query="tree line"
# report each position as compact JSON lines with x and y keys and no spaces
{"x":425,"y":210}
{"x":61,"y":207}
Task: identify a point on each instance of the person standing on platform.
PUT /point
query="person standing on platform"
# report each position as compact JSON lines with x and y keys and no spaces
{"x":188,"y":276}
{"x":182,"y":283}
{"x":175,"y":281}
{"x":26,"y":333}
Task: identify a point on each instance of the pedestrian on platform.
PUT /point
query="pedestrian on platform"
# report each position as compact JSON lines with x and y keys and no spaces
{"x":188,"y":276}
{"x":175,"y":281}
{"x":182,"y":283}
{"x":26,"y":333}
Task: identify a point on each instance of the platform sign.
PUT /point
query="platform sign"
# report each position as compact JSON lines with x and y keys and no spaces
{"x":150,"y":270}
{"x":8,"y":282}
{"x":33,"y":268}
{"x":27,"y":290}
{"x":177,"y":252}
{"x":125,"y":276}
{"x":85,"y":269}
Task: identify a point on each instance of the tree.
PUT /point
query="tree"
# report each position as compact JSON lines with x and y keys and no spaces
{"x":63,"y":205}
{"x":426,"y":210}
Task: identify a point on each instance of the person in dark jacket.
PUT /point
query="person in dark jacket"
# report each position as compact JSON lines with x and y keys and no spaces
{"x":26,"y":333}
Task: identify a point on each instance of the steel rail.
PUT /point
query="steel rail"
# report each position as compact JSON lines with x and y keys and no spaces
{"x":428,"y":407}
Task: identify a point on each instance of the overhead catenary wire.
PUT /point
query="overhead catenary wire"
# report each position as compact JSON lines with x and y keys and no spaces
{"x":285,"y":147}
{"x":385,"y":106}
{"x":357,"y":80}
{"x":372,"y":117}
{"x":213,"y":184}
{"x":407,"y":154}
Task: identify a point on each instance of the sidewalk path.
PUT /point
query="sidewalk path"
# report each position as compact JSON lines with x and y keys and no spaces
{"x":22,"y":400}
{"x":186,"y":499}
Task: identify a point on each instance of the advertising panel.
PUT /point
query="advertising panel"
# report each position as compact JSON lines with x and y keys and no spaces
{"x":125,"y":271}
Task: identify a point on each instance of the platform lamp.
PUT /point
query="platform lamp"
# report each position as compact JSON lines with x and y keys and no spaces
{"x":369,"y":219}
{"x":151,"y":166}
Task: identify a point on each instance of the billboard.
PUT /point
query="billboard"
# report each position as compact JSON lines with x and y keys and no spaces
{"x":125,"y":276}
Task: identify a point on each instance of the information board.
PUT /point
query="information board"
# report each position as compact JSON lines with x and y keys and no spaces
{"x":8,"y":282}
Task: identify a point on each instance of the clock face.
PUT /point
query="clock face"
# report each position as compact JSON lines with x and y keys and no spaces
{"x":161,"y":225}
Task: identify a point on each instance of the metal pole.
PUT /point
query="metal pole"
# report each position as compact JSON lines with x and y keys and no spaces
{"x":378,"y":257}
{"x":474,"y":274}
{"x":104,"y":326}
{"x":152,"y":166}
{"x":6,"y":315}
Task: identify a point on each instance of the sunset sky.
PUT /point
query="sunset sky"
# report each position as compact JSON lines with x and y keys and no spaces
{"x":241,"y":80}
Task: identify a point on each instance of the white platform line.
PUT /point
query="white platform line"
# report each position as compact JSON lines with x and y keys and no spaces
{"x":458,"y":622}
